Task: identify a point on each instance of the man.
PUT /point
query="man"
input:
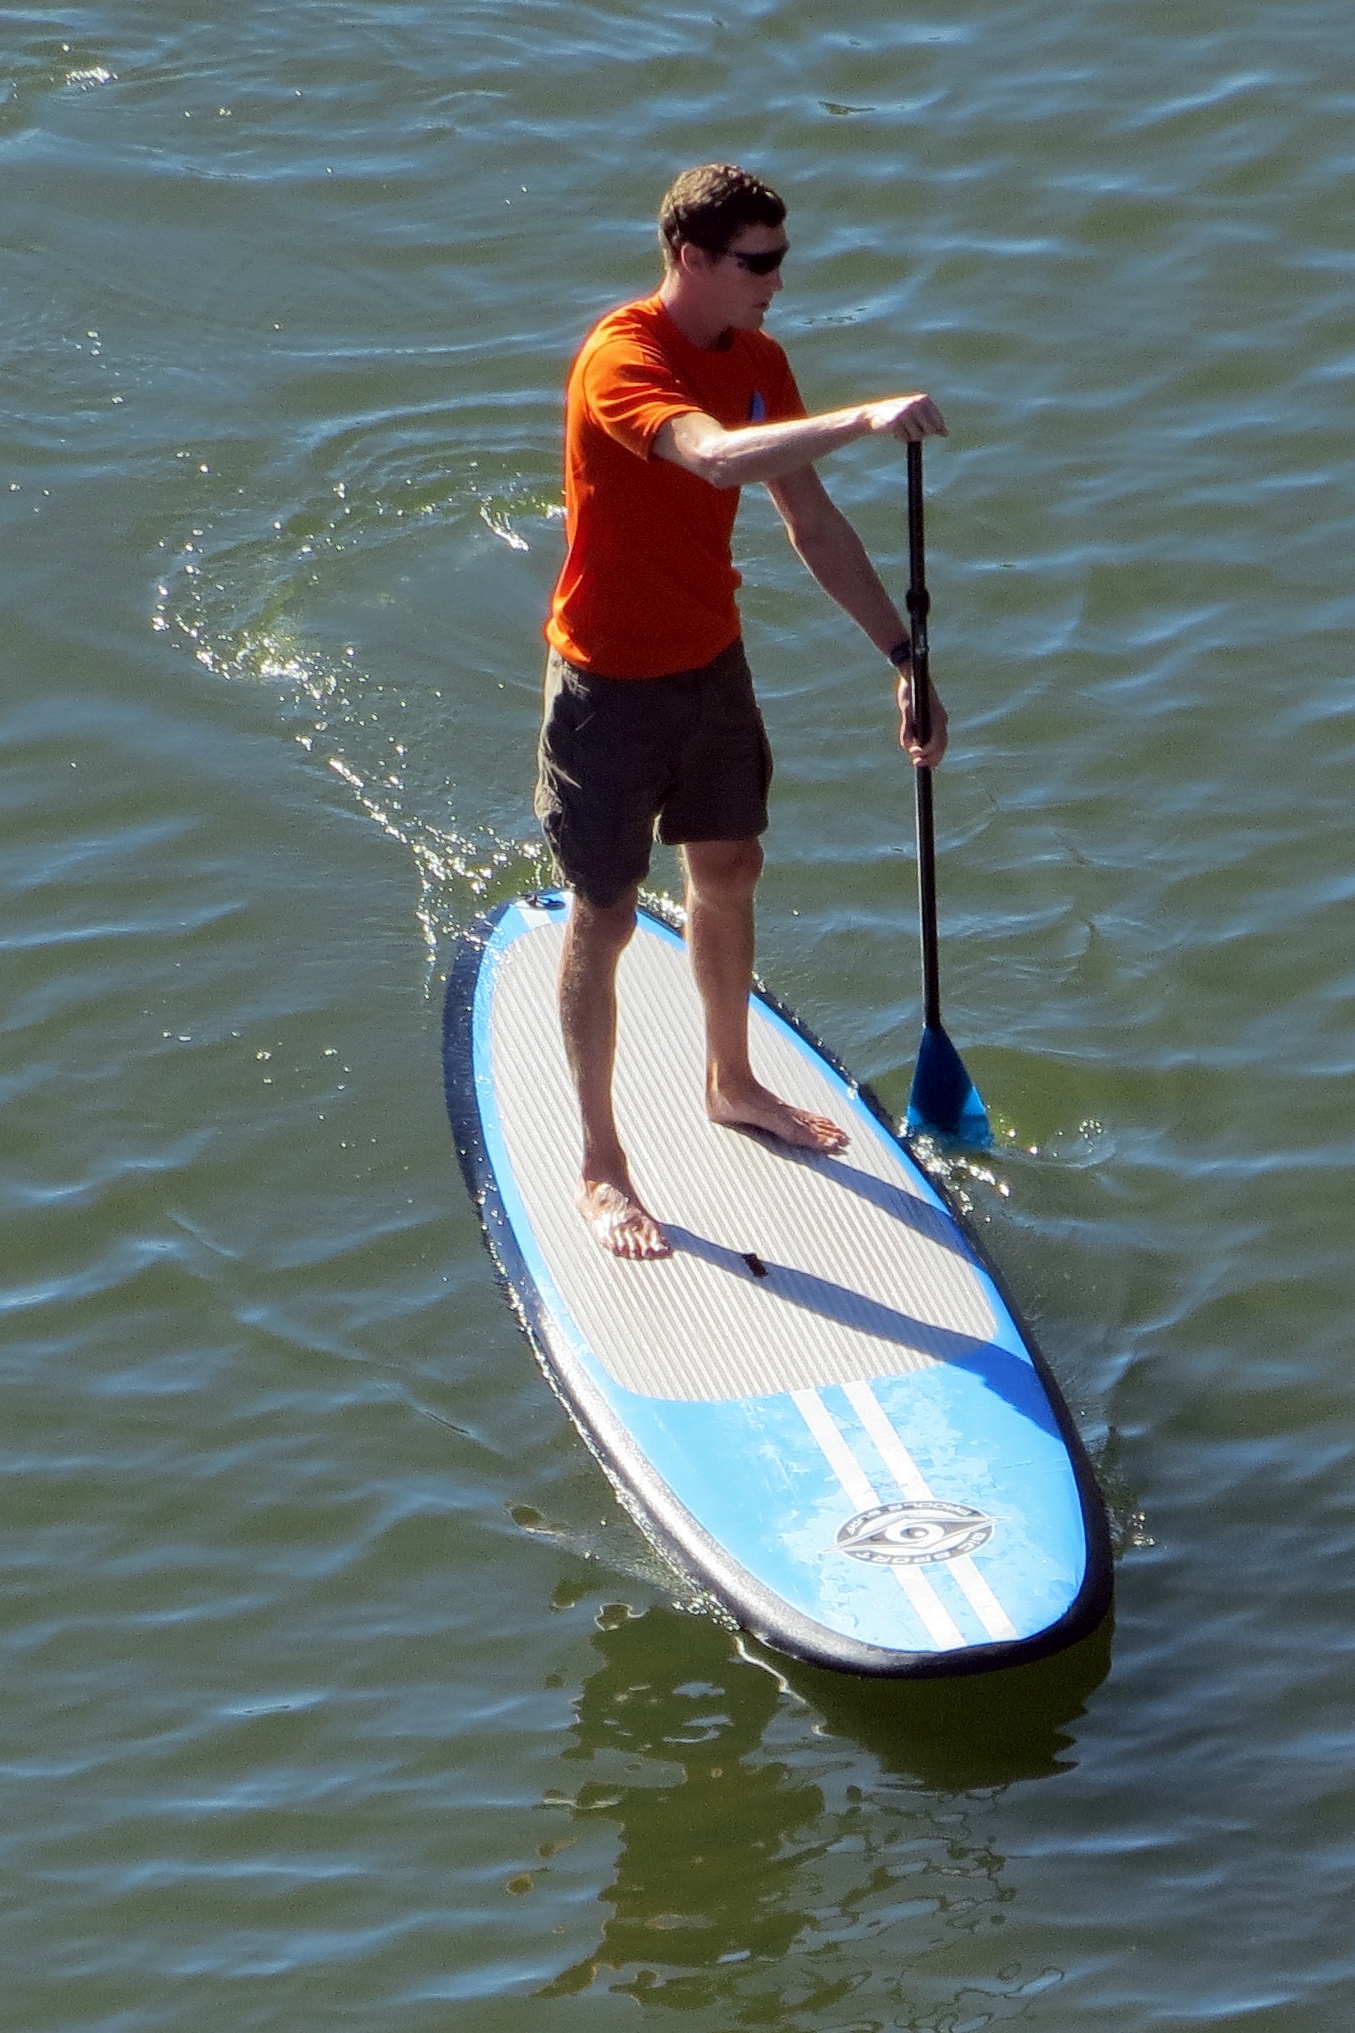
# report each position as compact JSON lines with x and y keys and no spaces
{"x":674,"y":403}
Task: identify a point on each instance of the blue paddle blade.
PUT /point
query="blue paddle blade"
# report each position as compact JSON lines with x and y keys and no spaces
{"x":944,"y":1100}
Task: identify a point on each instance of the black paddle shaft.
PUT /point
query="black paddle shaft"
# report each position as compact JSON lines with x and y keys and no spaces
{"x":918,"y":602}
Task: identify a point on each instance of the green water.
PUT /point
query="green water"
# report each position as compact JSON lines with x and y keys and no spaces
{"x":338,"y":1693}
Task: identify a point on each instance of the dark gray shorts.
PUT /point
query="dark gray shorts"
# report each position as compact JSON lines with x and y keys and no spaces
{"x":621,"y":759}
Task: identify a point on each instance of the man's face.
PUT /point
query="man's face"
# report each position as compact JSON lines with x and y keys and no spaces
{"x":737,"y":297}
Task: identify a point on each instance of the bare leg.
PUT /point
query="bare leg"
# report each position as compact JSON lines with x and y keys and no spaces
{"x":595,"y":939}
{"x":721,"y":878}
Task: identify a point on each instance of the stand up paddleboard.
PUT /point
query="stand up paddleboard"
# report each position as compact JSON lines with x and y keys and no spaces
{"x":821,"y":1407}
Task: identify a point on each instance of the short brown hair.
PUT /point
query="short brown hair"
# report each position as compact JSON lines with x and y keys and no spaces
{"x":709,"y":205}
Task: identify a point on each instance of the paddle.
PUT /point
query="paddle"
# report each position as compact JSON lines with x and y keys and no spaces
{"x":944,"y":1100}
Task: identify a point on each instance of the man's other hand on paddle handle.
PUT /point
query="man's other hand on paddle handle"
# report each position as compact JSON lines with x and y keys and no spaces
{"x":921,"y":757}
{"x":908,"y":417}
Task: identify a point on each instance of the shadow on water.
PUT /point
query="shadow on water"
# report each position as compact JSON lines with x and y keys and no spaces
{"x":764,"y":1809}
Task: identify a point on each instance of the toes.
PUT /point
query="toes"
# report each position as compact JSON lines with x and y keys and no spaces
{"x":831,"y":1136}
{"x":622,"y":1228}
{"x":636,"y":1246}
{"x":820,"y":1133}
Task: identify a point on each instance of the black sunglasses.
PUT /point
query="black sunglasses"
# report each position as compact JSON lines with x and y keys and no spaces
{"x":757,"y":264}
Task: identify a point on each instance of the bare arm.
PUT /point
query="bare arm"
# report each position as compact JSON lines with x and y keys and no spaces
{"x":835,"y":554}
{"x":770,"y":451}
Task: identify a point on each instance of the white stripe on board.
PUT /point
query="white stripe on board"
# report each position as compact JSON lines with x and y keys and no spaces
{"x":935,"y":1618}
{"x":888,"y":1443}
{"x":910,"y":1479}
{"x":840,"y":1458}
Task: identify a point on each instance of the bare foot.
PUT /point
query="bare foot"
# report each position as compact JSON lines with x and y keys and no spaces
{"x":619,"y":1222}
{"x":756,"y":1107}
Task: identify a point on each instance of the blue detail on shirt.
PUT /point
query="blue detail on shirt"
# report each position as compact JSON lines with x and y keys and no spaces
{"x":757,"y":408}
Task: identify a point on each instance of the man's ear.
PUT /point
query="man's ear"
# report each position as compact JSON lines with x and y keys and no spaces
{"x":693,"y":260}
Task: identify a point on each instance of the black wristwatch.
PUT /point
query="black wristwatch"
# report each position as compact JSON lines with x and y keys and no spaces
{"x":901,"y":656}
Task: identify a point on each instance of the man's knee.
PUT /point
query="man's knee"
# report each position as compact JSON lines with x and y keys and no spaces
{"x":603,"y":927}
{"x":723,"y":871}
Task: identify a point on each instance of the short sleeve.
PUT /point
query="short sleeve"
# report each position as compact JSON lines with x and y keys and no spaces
{"x":631,"y":391}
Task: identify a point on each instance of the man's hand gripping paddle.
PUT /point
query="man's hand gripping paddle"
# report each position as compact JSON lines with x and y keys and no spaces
{"x":944,"y":1100}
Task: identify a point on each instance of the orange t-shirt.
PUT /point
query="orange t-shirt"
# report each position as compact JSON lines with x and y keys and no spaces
{"x":648,"y":584}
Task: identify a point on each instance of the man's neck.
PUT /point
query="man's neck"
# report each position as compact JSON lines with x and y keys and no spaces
{"x":689,"y":314}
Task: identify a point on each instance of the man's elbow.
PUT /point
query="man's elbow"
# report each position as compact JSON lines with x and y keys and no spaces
{"x":712,"y":467}
{"x":699,"y":450}
{"x":713,"y":463}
